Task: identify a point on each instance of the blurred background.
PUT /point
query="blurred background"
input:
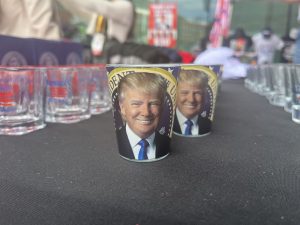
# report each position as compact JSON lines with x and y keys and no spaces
{"x":196,"y":17}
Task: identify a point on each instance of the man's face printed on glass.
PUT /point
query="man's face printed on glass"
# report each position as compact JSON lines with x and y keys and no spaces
{"x":141,"y":110}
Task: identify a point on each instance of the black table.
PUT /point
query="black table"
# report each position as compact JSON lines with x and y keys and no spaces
{"x":246,"y":172}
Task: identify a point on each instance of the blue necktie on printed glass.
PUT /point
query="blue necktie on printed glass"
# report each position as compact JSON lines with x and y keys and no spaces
{"x":188,"y":129}
{"x":143,"y":150}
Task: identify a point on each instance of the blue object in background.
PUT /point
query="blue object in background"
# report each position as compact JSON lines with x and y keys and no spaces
{"x":30,"y":51}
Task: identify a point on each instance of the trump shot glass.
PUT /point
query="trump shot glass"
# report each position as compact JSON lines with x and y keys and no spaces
{"x":195,"y":100}
{"x":143,"y":99}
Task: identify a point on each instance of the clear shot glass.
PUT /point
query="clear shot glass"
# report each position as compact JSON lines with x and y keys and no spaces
{"x":67,"y":95}
{"x":99,"y":91}
{"x":21,"y":100}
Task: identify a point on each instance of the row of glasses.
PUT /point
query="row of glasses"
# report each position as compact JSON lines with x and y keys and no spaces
{"x":279,"y":83}
{"x":30,"y":97}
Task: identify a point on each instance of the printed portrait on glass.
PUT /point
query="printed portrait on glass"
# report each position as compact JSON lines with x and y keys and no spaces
{"x":194,"y":101}
{"x":143,"y":107}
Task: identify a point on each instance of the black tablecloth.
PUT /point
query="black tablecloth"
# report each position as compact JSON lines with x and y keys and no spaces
{"x":246,"y":172}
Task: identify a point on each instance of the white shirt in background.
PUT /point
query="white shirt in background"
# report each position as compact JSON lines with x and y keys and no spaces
{"x":266,"y":48}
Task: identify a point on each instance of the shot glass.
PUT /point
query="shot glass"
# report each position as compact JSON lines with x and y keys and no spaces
{"x":296,"y":94}
{"x":251,"y":80}
{"x":67,"y":95}
{"x":143,"y":99}
{"x":268,"y":87}
{"x":260,"y":80}
{"x":21,"y":100}
{"x":277,"y":95}
{"x":264,"y":81}
{"x":197,"y":91}
{"x":256,"y":74}
{"x":289,"y":69}
{"x":98,"y":87}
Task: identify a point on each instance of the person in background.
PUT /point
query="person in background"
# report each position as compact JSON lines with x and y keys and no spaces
{"x":287,"y":52}
{"x":118,"y":18}
{"x":296,"y":53}
{"x":119,"y":15}
{"x":30,"y":19}
{"x":141,"y":100}
{"x":190,"y":101}
{"x":266,"y":43}
{"x":240,"y":42}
